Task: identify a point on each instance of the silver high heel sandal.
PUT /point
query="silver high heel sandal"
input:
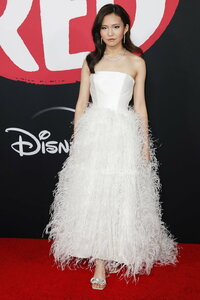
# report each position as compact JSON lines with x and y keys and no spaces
{"x":100,"y":281}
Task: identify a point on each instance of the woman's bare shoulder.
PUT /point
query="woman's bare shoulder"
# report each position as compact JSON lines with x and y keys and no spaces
{"x":135,"y":58}
{"x":85,"y":67}
{"x":135,"y":63}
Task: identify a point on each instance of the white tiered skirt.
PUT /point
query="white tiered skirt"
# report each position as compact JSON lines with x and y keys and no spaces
{"x":106,"y":201}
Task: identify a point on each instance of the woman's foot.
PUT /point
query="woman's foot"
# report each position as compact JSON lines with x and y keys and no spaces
{"x":99,"y":273}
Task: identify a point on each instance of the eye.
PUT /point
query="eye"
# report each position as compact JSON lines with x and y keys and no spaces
{"x":103,"y":27}
{"x":116,"y":26}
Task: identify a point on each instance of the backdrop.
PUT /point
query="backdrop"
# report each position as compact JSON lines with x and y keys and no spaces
{"x":43,"y":44}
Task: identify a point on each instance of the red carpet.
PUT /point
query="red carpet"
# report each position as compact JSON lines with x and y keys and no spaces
{"x":27,"y":272}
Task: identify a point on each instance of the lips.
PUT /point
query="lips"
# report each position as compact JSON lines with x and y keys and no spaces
{"x":111,"y":39}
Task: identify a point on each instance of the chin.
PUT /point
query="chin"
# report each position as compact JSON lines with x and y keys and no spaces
{"x":114,"y":44}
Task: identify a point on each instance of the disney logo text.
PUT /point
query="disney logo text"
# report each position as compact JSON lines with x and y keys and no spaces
{"x":34,"y":145}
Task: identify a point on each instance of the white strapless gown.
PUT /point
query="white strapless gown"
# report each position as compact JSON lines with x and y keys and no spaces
{"x":106,"y":201}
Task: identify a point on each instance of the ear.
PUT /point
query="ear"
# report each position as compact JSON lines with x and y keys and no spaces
{"x":126,"y":28}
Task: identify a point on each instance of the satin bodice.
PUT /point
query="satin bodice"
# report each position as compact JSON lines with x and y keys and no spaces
{"x":111,"y":89}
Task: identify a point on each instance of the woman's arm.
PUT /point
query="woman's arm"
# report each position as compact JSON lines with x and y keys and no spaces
{"x":139,"y":100}
{"x":84,"y":93}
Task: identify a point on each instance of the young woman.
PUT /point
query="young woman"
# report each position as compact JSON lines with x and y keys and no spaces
{"x":106,"y":212}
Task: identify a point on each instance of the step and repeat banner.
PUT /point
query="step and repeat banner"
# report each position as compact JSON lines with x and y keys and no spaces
{"x":43,"y":45}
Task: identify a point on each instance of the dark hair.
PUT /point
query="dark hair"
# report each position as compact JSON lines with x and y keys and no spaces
{"x":93,"y":57}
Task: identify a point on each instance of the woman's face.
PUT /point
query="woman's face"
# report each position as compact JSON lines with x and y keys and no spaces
{"x":112,"y":28}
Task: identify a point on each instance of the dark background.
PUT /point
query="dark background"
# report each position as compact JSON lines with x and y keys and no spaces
{"x":173,"y":103}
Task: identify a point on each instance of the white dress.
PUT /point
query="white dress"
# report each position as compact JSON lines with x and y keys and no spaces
{"x":106,"y":201}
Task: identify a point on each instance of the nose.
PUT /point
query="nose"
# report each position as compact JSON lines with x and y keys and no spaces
{"x":110,"y":31}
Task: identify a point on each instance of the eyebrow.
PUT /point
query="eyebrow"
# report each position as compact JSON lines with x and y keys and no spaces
{"x":112,"y":24}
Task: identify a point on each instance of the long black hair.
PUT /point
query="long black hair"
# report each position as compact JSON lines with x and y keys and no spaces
{"x":93,"y":57}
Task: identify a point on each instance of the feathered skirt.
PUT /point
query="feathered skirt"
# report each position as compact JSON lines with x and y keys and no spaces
{"x":106,"y":201}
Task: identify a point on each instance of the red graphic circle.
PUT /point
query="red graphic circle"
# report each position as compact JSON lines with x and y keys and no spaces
{"x":31,"y":34}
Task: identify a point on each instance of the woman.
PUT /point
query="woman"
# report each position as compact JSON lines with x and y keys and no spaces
{"x":106,"y":212}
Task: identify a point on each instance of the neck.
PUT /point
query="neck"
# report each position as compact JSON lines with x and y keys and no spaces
{"x":114,"y":50}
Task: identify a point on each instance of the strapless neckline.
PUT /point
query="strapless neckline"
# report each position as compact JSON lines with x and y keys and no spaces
{"x":125,"y":74}
{"x":111,"y":89}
